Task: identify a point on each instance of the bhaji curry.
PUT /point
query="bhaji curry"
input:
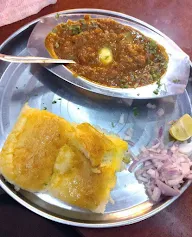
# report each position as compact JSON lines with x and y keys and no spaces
{"x":108,"y":53}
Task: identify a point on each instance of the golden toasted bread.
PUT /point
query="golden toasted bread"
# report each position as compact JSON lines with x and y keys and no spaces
{"x":76,"y":182}
{"x":29,"y":153}
{"x":75,"y":163}
{"x":95,"y":145}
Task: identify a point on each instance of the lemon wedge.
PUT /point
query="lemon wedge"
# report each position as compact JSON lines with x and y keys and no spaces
{"x":105,"y":56}
{"x":181,"y":130}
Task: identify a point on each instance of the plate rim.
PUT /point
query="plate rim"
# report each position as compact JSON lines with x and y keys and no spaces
{"x":58,"y":219}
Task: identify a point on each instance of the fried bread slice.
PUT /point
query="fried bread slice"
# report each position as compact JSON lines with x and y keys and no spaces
{"x":29,"y":153}
{"x":75,"y":163}
{"x":74,"y":181}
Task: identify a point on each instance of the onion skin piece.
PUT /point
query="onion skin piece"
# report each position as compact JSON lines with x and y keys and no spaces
{"x":167,"y":190}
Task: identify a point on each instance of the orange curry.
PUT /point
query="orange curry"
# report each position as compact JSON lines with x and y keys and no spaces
{"x":108,"y":53}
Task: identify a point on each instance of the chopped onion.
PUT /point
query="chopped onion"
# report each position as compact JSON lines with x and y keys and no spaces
{"x":129,"y":132}
{"x":127,"y":138}
{"x":163,"y":170}
{"x":156,"y":194}
{"x":160,"y":133}
{"x":128,"y":101}
{"x":151,"y":106}
{"x":16,"y":188}
{"x":160,"y":112}
{"x":167,"y":190}
{"x":122,"y":119}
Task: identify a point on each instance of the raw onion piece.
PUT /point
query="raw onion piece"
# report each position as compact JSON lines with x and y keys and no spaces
{"x":151,"y":106}
{"x":122,"y":119}
{"x":128,"y":134}
{"x":163,"y":171}
{"x":160,"y":112}
{"x":128,"y":102}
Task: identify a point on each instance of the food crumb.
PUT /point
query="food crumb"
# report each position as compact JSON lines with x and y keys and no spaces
{"x":127,"y":159}
{"x":135,"y":111}
{"x":176,"y":81}
{"x":156,"y":92}
{"x":122,"y":119}
{"x":160,"y":112}
{"x":112,"y":125}
{"x":111,"y":200}
{"x":96,"y":170}
{"x":57,"y":16}
{"x":171,"y":122}
{"x":56,"y":45}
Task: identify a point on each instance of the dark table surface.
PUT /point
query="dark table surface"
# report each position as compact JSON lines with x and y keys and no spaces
{"x":172,"y":17}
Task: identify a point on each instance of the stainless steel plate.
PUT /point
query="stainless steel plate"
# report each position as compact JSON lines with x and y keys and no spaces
{"x":20,"y":83}
{"x":178,"y":66}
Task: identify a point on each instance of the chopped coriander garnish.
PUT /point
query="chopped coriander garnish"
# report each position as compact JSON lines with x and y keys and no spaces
{"x":54,"y":102}
{"x":63,"y":26}
{"x":176,"y":81}
{"x":75,"y":29}
{"x":156,"y":92}
{"x":106,"y":57}
{"x":54,"y":30}
{"x":159,"y":84}
{"x":94,"y":24}
{"x":152,"y":44}
{"x":56,"y":45}
{"x":164,"y":65}
{"x":154,"y":76}
{"x":124,"y":86}
{"x":151,"y":47}
{"x":132,"y":76}
{"x":83,"y":24}
{"x":45,"y":108}
{"x":59,"y":99}
{"x":135,"y":111}
{"x":112,"y":125}
{"x":82,"y":21}
{"x":127,"y":159}
{"x":129,"y":37}
{"x":57,"y":16}
{"x":78,"y":108}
